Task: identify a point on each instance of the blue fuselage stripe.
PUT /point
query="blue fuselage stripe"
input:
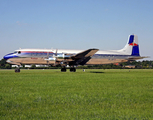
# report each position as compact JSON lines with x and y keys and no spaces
{"x":50,"y":54}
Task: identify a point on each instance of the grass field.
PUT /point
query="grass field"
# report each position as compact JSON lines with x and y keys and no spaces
{"x":95,"y":94}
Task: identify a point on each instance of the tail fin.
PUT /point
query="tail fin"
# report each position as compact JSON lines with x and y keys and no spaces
{"x":132,"y":47}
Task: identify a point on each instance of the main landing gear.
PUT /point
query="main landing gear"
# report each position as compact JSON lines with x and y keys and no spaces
{"x":71,"y":69}
{"x":63,"y":69}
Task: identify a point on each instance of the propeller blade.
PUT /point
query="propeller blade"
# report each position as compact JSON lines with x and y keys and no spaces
{"x":55,"y":57}
{"x":47,"y":57}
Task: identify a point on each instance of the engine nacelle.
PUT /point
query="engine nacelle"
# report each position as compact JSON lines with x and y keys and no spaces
{"x":51,"y":59}
{"x":59,"y":56}
{"x":63,"y":56}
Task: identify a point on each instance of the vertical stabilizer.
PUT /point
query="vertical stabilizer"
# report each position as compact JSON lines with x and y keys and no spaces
{"x":134,"y":43}
{"x":132,"y":47}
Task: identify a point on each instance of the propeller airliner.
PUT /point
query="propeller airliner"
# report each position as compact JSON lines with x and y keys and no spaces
{"x":75,"y":57}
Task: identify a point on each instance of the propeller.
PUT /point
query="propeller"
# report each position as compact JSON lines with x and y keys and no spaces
{"x":55,"y":57}
{"x":47,"y":57}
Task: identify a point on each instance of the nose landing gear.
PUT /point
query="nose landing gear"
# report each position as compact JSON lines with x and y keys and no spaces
{"x":17,"y":70}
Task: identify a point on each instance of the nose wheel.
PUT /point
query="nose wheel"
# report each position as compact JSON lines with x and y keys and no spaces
{"x":17,"y":70}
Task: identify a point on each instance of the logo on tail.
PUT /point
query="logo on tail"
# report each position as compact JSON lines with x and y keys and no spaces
{"x":133,"y":41}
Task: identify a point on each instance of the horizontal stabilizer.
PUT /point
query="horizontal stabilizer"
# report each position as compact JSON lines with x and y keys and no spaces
{"x":136,"y":58}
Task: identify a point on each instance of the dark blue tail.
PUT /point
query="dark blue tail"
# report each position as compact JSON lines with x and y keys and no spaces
{"x":133,"y":41}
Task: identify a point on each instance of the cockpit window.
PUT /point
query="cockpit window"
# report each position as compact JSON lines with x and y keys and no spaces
{"x":19,"y":52}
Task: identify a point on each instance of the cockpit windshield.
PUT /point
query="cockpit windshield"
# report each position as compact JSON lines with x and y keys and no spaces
{"x":15,"y":52}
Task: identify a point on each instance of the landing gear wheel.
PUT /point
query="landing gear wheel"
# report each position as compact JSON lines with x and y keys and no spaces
{"x":72,"y":70}
{"x":17,"y":70}
{"x":63,"y":69}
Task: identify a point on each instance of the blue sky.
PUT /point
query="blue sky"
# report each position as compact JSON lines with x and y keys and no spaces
{"x":75,"y":24}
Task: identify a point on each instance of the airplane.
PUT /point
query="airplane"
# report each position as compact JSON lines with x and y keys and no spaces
{"x":74,"y":58}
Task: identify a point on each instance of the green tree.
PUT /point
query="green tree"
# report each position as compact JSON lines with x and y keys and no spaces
{"x":7,"y":66}
{"x":2,"y":63}
{"x":33,"y":66}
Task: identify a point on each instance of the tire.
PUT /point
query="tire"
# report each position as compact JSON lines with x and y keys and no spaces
{"x":63,"y":69}
{"x":72,"y":70}
{"x":17,"y":70}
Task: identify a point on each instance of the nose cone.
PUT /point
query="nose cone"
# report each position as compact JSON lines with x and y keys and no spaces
{"x":8,"y":56}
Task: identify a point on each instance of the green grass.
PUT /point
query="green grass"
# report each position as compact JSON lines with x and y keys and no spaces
{"x":94,"y":94}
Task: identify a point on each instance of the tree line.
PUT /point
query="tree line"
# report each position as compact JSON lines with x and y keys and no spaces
{"x":137,"y":65}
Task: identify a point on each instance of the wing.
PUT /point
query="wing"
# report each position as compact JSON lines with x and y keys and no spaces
{"x":82,"y":57}
{"x":85,"y":54}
